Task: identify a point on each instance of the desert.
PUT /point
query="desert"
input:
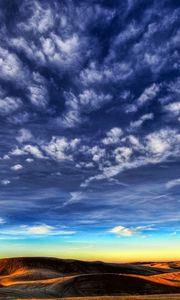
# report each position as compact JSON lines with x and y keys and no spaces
{"x":53,"y":278}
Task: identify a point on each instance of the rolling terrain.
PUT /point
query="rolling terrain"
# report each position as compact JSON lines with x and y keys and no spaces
{"x":50,"y":278}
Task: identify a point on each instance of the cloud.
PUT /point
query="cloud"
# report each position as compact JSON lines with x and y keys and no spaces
{"x":136,"y":124}
{"x":89,"y":97}
{"x":123,"y":231}
{"x":34,"y":151}
{"x":122,"y":154}
{"x":47,"y":36}
{"x":24,"y":135}
{"x":17,"y":167}
{"x":173,"y":108}
{"x":148,"y":94}
{"x":75,"y":197}
{"x":60,"y":148}
{"x":27,"y":149}
{"x":174,"y":233}
{"x":2,"y":221}
{"x":35,"y":230}
{"x":17,"y":152}
{"x":9,"y":105}
{"x":79,"y":106}
{"x":19,"y":118}
{"x":39,"y":230}
{"x":9,"y":238}
{"x":173,"y":183}
{"x":6,"y":157}
{"x":154,"y":148}
{"x":29,"y":160}
{"x":41,"y":20}
{"x":160,"y":142}
{"x":113,"y":136}
{"x":129,"y":232}
{"x":5,"y":182}
{"x":12,"y":68}
{"x":97,"y":153}
{"x":38,"y":92}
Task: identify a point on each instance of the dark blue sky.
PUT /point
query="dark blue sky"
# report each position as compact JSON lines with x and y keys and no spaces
{"x":89,"y":117}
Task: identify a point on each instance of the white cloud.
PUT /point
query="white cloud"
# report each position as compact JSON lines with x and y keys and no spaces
{"x":29,"y":160}
{"x":173,"y":183}
{"x":134,"y":141}
{"x":45,"y":39}
{"x":9,"y":105}
{"x":160,"y":142}
{"x":41,"y":20}
{"x":24,"y":135}
{"x":74,"y":198}
{"x":90,"y":101}
{"x":174,"y":86}
{"x":62,"y":51}
{"x":36,"y":230}
{"x":87,"y":165}
{"x":129,"y":232}
{"x":60,"y":148}
{"x":113,"y":136}
{"x":17,"y":152}
{"x":173,"y":108}
{"x":17,"y":167}
{"x":5,"y":182}
{"x":30,"y":49}
{"x":2,"y":221}
{"x":97,"y":153}
{"x":131,"y":31}
{"x":38,"y":95}
{"x":40,"y":230}
{"x":65,"y":232}
{"x":37,"y":91}
{"x":123,"y":231}
{"x":131,"y":108}
{"x":122,"y":154}
{"x":12,"y":68}
{"x":34,"y":151}
{"x":78,"y":106}
{"x":148,"y":94}
{"x":19,"y":118}
{"x":70,"y":119}
{"x":92,"y":74}
{"x":138,"y":123}
{"x":67,"y":46}
{"x":6,"y":157}
{"x":116,"y":72}
{"x":28,"y":149}
{"x":152,"y":149}
{"x":57,"y":149}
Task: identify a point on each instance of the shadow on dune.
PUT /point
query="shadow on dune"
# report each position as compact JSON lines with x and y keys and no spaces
{"x":48,"y":277}
{"x":10,"y":265}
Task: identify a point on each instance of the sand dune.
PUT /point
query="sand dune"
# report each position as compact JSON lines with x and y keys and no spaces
{"x":163,"y":265}
{"x":56,"y":278}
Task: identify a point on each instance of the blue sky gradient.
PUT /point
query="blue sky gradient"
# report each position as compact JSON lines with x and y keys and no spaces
{"x":89,"y":128}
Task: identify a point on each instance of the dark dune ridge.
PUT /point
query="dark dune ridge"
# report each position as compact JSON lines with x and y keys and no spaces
{"x":68,"y":266}
{"x":51,"y":278}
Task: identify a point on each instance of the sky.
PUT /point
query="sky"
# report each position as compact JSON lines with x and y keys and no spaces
{"x":89,"y":129}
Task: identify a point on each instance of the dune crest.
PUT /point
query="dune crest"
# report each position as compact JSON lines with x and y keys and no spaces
{"x":42,"y":277}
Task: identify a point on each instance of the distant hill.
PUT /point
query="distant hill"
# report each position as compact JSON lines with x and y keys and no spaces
{"x":42,"y":277}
